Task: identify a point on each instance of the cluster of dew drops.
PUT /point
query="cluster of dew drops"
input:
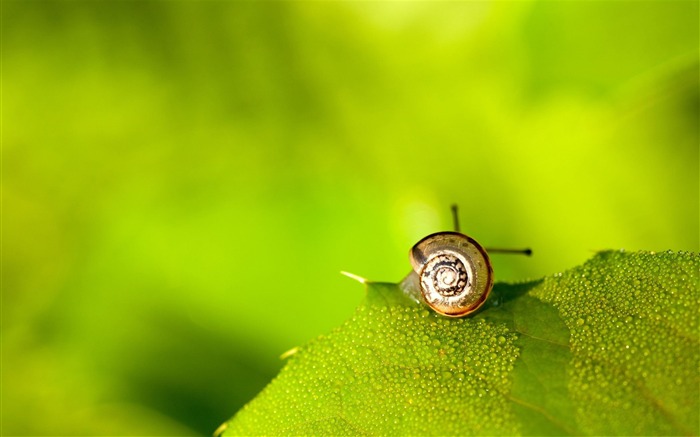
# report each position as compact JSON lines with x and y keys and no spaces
{"x":628,"y":321}
{"x":421,"y":367}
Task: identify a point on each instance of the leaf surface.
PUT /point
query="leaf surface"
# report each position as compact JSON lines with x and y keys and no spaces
{"x":609,"y":347}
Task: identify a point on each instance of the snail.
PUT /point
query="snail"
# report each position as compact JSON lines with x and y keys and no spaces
{"x":452,"y":271}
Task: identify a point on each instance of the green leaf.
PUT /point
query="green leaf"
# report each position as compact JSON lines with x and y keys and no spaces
{"x":610,"y":347}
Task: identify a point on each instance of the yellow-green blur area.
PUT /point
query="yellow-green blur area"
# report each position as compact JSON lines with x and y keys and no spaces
{"x":182,"y":181}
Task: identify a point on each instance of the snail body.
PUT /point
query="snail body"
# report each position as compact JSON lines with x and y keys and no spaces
{"x":454,"y":273}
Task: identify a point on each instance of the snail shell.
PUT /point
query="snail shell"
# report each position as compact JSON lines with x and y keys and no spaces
{"x":454,"y":273}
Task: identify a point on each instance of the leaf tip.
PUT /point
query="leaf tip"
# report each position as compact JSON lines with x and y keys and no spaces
{"x":357,"y":278}
{"x":220,"y":430}
{"x":289,"y":353}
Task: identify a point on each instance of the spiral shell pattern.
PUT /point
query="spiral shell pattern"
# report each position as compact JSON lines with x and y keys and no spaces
{"x":445,"y":275}
{"x":454,"y":271}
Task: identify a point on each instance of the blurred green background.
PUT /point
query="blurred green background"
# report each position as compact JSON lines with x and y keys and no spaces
{"x":183,"y":181}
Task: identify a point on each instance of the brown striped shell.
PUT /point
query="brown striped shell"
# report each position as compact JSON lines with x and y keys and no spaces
{"x":454,"y":273}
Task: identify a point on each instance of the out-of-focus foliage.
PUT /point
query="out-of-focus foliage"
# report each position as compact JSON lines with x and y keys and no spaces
{"x":182,"y":181}
{"x":607,"y":348}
